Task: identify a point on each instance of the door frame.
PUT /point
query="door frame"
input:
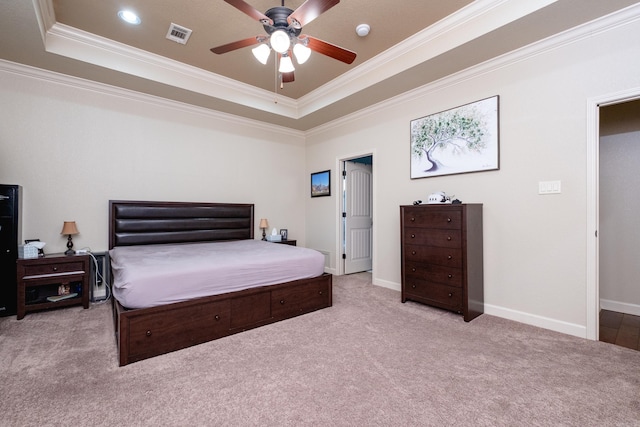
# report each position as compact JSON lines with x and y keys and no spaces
{"x":593,"y":211}
{"x":339,"y":201}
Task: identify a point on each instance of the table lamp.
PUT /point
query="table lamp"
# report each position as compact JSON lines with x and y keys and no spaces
{"x":69,"y":228}
{"x":264,"y":225}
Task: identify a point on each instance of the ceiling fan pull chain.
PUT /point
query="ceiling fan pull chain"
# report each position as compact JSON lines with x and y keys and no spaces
{"x":275,"y":89}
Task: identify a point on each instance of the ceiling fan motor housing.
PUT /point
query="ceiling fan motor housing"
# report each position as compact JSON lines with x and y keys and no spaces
{"x":279,"y":15}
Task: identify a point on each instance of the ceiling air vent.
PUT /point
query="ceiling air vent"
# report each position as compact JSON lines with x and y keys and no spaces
{"x":178,"y":34}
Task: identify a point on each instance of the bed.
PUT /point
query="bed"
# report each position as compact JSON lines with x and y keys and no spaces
{"x":171,"y":321}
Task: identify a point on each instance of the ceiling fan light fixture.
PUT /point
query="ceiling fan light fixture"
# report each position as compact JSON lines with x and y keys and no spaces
{"x":262,"y":53}
{"x":280,"y":41}
{"x":301,"y":53}
{"x":286,"y":65}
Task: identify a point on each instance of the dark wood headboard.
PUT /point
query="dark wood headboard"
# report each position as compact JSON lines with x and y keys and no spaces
{"x":144,"y":223}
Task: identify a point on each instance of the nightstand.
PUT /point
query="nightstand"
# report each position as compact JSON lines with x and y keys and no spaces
{"x":44,"y":283}
{"x":287,"y":242}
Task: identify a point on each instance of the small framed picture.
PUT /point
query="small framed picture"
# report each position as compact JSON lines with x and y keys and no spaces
{"x":321,"y":184}
{"x":284,"y":233}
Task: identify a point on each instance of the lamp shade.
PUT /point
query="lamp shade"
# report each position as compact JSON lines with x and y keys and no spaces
{"x":301,"y":53}
{"x":69,"y":228}
{"x":286,"y":65}
{"x":280,"y":41}
{"x":261,"y":53}
{"x":264,"y":223}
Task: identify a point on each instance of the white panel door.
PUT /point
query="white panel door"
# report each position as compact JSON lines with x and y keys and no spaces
{"x":358,"y":218}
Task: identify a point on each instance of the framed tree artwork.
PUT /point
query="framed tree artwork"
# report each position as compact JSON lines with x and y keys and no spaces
{"x":321,"y":184}
{"x":460,"y":140}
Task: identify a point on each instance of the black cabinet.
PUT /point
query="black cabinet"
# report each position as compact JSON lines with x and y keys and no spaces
{"x":10,"y":200}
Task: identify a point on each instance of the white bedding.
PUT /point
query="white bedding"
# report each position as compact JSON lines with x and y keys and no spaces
{"x":151,"y":275}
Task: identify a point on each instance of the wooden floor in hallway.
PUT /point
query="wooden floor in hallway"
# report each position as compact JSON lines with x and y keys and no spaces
{"x":620,"y":329}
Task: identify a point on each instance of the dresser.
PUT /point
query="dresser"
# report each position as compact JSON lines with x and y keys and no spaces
{"x":441,"y":252}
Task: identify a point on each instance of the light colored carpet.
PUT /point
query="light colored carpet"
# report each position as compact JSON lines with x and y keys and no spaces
{"x":368,"y":360}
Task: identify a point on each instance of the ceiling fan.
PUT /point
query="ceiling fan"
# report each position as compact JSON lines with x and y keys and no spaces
{"x":284,"y":27}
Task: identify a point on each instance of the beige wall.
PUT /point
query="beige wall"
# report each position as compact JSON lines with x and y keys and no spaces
{"x":73,"y":149}
{"x":535,"y":245}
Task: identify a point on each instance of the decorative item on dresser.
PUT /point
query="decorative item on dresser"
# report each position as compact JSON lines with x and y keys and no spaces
{"x":442,"y":262}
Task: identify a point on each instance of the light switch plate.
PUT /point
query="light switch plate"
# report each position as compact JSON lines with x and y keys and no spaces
{"x":549,"y":187}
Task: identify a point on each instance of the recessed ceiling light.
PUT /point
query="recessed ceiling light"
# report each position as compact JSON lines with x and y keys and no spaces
{"x":130,"y":17}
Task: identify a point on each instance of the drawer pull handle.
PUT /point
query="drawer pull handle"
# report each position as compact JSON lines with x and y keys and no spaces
{"x":450,"y":294}
{"x":413,"y":286}
{"x":281,"y":302}
{"x":413,"y":252}
{"x":450,"y":276}
{"x":148,"y":333}
{"x":55,"y":268}
{"x":449,"y":257}
{"x":413,"y":270}
{"x":413,"y":236}
{"x":448,"y":219}
{"x":319,"y":292}
{"x":448,"y":237}
{"x":217,"y":317}
{"x":412,"y":219}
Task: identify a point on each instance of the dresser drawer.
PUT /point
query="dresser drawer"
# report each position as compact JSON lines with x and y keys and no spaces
{"x":434,"y":273}
{"x":433,"y":293}
{"x":52,"y":269}
{"x":428,"y":218}
{"x":433,"y":237}
{"x":450,"y":257}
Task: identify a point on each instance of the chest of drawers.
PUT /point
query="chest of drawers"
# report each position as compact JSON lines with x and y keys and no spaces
{"x":441,"y":251}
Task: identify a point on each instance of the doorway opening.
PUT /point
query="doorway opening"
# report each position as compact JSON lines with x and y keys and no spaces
{"x":594,"y":106}
{"x":618,"y":161}
{"x":356,"y":214}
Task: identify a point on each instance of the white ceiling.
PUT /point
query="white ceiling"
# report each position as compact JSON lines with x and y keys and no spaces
{"x":412,"y":43}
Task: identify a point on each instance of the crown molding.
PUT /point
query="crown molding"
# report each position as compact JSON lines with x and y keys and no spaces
{"x":130,"y":95}
{"x":478,"y":18}
{"x":609,"y":22}
{"x":604,"y":24}
{"x":71,"y":42}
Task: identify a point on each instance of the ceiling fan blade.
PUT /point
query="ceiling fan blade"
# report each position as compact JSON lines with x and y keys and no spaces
{"x":308,"y":11}
{"x":251,"y":11}
{"x":288,"y":77}
{"x":236,"y":45}
{"x":330,"y":50}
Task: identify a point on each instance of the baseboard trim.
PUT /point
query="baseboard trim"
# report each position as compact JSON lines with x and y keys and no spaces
{"x":573,"y":329}
{"x":539,"y":321}
{"x":620,"y":307}
{"x":386,"y":284}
